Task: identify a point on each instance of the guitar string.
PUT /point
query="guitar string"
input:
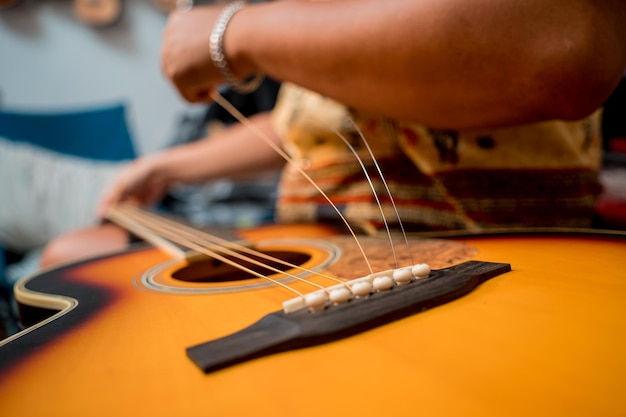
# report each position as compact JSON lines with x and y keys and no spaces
{"x":122,"y":218}
{"x":214,"y":242}
{"x":233,"y":111}
{"x":213,"y":250}
{"x":173,"y":232}
{"x":219,"y":99}
{"x":371,"y":185}
{"x":389,"y":194}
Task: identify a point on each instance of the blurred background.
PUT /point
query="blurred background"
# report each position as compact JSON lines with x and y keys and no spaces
{"x":52,"y":59}
{"x":81,"y":94}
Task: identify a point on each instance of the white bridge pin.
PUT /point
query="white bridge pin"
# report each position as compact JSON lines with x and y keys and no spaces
{"x":340,"y":295}
{"x":382,"y":283}
{"x":420,"y":270}
{"x":402,"y":276}
{"x":316,"y":301}
{"x":358,"y":288}
{"x":361,"y":288}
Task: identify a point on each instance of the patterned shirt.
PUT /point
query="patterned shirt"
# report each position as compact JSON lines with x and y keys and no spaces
{"x":535,"y":175}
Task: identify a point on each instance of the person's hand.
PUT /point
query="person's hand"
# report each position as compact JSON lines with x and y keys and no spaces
{"x":139,"y":183}
{"x":185,"y":54}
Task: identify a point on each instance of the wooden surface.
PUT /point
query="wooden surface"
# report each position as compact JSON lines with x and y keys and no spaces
{"x":546,"y":339}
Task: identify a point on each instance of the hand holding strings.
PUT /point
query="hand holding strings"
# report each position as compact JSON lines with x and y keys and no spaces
{"x":186,"y":57}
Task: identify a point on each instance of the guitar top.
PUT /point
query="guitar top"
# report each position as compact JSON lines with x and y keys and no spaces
{"x":545,"y":339}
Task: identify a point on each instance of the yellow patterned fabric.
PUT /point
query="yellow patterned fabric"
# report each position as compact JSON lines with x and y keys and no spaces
{"x":539,"y":175}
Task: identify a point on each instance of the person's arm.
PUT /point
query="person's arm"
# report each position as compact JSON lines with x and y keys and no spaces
{"x":235,"y":152}
{"x":443,"y":63}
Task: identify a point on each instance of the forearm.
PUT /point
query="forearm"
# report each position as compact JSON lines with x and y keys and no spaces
{"x":235,"y":152}
{"x":453,"y":64}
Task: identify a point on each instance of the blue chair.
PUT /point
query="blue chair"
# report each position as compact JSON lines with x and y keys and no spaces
{"x":100,"y":133}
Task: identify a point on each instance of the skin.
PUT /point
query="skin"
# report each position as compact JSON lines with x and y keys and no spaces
{"x":448,"y":63}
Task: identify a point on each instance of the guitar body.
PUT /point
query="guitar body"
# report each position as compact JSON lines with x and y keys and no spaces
{"x":546,"y":339}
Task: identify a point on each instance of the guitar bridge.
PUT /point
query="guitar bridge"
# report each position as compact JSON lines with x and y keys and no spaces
{"x":281,"y":331}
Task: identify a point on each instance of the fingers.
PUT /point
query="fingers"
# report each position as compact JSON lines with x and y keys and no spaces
{"x":194,"y":94}
{"x":185,"y":53}
{"x":136,"y":184}
{"x":111,"y":197}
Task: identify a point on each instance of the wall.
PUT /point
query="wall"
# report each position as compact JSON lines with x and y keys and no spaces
{"x":50,"y":60}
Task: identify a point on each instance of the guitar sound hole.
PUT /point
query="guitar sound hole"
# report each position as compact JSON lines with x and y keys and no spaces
{"x":213,"y":270}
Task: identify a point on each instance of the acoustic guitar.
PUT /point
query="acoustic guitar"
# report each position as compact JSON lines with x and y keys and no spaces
{"x":117,"y":335}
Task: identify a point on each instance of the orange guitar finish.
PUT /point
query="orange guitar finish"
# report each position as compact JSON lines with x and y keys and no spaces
{"x":547,"y":339}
